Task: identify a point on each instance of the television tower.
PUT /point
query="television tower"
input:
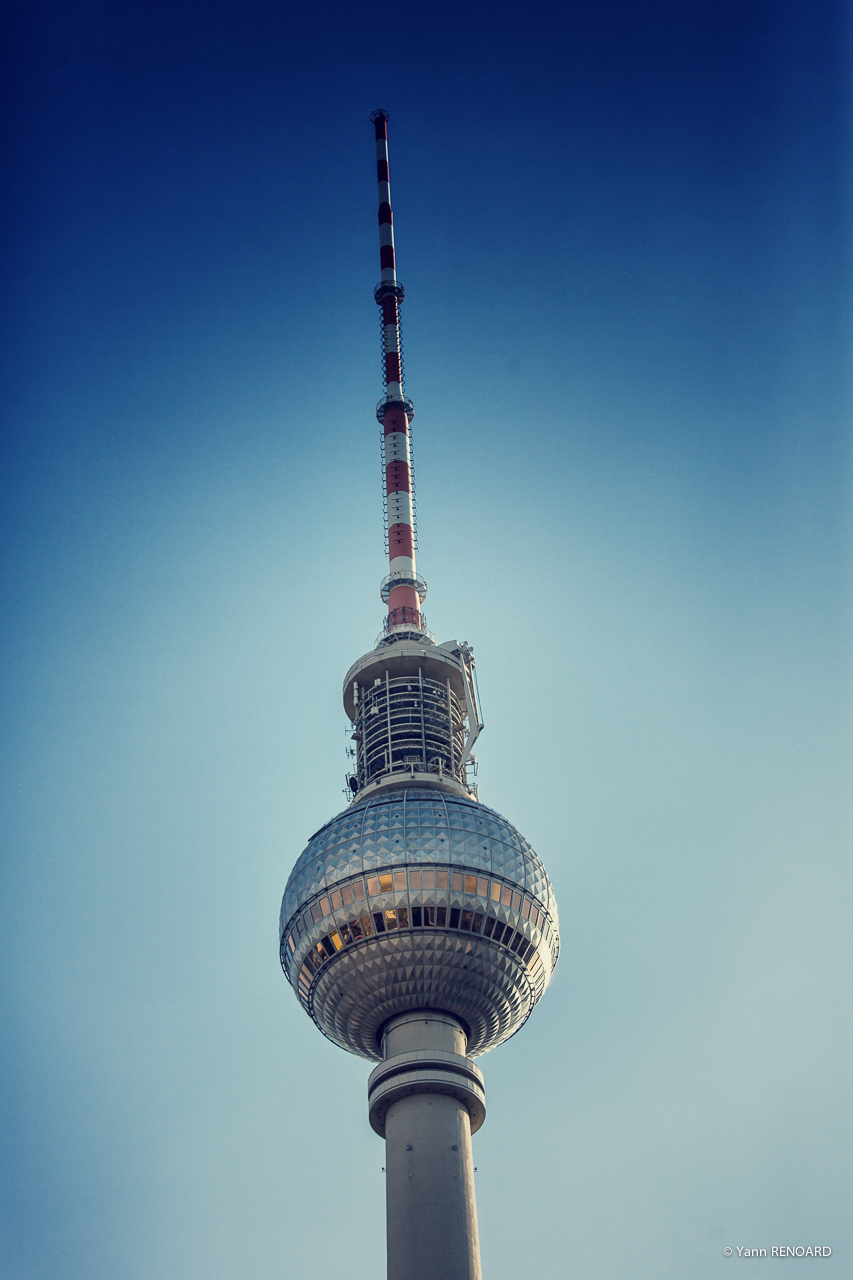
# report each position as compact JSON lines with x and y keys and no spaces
{"x":418,"y":927}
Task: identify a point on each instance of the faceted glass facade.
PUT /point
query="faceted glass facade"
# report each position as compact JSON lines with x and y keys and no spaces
{"x":417,"y":825}
{"x":418,"y":898}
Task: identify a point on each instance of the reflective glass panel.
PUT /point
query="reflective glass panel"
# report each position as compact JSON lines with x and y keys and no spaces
{"x":477,"y":922}
{"x":506,"y":896}
{"x":440,"y":916}
{"x":416,"y":917}
{"x":400,"y":880}
{"x":516,"y":901}
{"x":357,"y":890}
{"x":366,"y":925}
{"x":525,"y":908}
{"x":441,"y":879}
{"x":373,"y":885}
{"x":483,"y":887}
{"x":454,"y":917}
{"x":324,"y":906}
{"x":414,"y":879}
{"x":346,"y":894}
{"x":465,"y":921}
{"x":403,"y":917}
{"x":470,"y":884}
{"x":489,"y":926}
{"x":316,"y":913}
{"x":457,"y":880}
{"x":335,"y":899}
{"x":390,"y":919}
{"x":379,"y":922}
{"x":337,"y":941}
{"x":385,"y":883}
{"x":429,"y":878}
{"x":496,"y":891}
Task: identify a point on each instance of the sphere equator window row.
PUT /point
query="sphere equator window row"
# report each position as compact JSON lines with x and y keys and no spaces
{"x":423,"y":882}
{"x":442,"y":919}
{"x":426,"y":880}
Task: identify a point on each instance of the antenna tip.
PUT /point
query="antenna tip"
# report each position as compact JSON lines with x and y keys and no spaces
{"x":379,"y":114}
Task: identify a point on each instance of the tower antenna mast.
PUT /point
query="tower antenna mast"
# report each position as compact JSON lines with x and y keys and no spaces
{"x":403,"y":591}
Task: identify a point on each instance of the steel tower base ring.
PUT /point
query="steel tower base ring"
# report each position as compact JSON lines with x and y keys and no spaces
{"x":394,"y":402}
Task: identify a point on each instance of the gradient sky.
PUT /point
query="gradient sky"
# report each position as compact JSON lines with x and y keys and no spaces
{"x":624,"y":235}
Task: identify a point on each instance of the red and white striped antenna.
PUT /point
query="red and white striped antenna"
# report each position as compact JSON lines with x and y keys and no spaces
{"x":402,"y":590}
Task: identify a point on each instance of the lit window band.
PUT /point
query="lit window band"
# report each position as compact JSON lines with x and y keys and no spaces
{"x":358,"y":909}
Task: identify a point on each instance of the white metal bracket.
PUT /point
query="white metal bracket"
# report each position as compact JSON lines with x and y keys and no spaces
{"x":472,"y":706}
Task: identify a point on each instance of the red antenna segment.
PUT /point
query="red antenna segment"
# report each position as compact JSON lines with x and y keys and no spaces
{"x":403,"y":591}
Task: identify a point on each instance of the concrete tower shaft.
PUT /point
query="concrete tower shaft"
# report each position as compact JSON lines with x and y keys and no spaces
{"x":426,"y":1099}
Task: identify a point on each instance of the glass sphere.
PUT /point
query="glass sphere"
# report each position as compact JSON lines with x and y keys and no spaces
{"x":418,"y":898}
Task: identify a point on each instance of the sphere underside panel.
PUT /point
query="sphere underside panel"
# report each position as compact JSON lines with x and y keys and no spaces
{"x":487,"y":988}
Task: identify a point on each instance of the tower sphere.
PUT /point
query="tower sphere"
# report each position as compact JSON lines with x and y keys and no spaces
{"x":418,"y":897}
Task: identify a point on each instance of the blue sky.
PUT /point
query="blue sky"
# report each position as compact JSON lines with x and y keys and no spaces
{"x":624,"y":234}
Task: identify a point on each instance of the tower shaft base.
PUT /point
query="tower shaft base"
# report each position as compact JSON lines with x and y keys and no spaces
{"x":423,"y":1099}
{"x":431,"y":1206}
